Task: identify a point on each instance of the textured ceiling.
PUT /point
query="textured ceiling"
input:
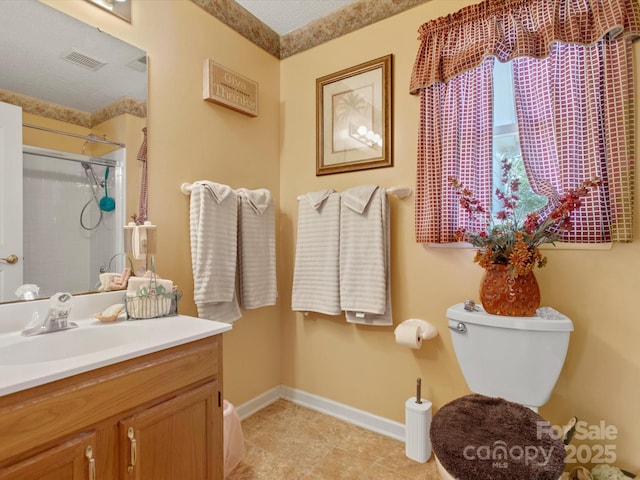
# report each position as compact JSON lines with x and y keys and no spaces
{"x":284,"y":16}
{"x":33,"y":39}
{"x":315,"y":21}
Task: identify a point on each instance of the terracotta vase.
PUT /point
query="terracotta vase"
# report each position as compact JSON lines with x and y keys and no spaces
{"x":514,"y":297}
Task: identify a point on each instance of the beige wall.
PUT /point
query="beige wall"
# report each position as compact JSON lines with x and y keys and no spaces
{"x":190,"y":139}
{"x":125,"y":129}
{"x":360,"y":366}
{"x":40,"y":138}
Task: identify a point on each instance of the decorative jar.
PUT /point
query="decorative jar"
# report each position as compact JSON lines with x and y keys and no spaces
{"x":515,"y":297}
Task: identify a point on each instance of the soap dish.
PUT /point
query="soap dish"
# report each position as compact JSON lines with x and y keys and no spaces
{"x":110,"y":314}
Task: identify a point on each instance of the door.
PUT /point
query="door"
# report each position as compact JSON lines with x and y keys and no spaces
{"x":10,"y":200}
{"x":178,"y":439}
{"x":72,"y":460}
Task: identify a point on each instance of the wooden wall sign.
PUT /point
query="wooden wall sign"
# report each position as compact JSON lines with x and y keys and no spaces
{"x":229,"y":89}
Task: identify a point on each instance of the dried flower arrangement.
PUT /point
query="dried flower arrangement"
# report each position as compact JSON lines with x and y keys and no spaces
{"x":512,"y":241}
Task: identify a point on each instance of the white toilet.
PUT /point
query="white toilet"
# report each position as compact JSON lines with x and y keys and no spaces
{"x":517,"y":359}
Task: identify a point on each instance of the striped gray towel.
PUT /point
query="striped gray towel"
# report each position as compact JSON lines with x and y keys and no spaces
{"x":365,"y":282}
{"x":315,"y":275}
{"x":213,"y":211}
{"x":226,"y":312}
{"x":257,"y":249}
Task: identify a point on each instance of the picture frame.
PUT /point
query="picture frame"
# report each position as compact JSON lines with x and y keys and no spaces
{"x":354,"y":118}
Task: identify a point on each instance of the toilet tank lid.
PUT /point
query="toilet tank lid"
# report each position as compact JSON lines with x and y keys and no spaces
{"x":546,"y":319}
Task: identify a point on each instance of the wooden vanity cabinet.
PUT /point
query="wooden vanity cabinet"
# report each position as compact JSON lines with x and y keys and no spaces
{"x":72,"y":460}
{"x":171,"y":440}
{"x":156,"y":417}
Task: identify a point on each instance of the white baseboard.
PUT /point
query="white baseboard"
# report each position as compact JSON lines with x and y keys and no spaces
{"x":344,"y":412}
{"x":258,"y":403}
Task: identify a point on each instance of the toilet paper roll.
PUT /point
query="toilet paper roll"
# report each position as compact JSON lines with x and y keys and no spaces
{"x":410,"y":333}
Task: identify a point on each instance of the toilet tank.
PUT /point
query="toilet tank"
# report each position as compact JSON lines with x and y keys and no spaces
{"x":515,"y":358}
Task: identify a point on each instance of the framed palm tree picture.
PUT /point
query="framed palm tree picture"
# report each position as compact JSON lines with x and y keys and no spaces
{"x":354,"y":118}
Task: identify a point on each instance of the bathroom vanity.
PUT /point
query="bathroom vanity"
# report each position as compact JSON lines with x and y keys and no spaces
{"x":147,"y":408}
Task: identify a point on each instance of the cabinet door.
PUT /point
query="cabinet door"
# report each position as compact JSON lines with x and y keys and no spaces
{"x":178,"y":439}
{"x":72,"y":460}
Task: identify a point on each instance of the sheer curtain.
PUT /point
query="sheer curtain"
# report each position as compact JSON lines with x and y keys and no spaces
{"x":464,"y":105}
{"x":455,"y":48}
{"x":575,"y":113}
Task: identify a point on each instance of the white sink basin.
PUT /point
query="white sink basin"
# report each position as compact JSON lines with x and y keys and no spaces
{"x":31,"y":361}
{"x":71,"y":343}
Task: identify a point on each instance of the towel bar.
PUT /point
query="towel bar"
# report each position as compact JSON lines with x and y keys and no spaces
{"x":399,"y":191}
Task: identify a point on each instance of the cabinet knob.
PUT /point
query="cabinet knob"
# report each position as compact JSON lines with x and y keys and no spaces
{"x":132,"y":441}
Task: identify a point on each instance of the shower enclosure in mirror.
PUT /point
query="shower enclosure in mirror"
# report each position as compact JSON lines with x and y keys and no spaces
{"x":81,"y":96}
{"x":73,"y":213}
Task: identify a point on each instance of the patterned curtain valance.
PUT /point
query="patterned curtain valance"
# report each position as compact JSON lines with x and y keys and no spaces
{"x":508,"y":29}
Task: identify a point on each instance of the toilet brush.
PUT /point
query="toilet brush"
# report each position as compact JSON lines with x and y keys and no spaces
{"x":417,"y":426}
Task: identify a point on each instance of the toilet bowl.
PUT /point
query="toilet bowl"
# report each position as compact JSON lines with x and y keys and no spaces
{"x":511,"y":364}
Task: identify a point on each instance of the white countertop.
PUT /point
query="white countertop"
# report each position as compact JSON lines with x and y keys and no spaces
{"x":27,"y":362}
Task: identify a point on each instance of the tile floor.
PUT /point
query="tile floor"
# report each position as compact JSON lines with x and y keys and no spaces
{"x":287,"y":442}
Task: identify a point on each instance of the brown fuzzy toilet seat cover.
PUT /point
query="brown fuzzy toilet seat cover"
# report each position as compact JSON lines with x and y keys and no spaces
{"x":484,"y":438}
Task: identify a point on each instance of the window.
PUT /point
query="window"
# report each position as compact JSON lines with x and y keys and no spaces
{"x":508,"y":166}
{"x":573,"y":97}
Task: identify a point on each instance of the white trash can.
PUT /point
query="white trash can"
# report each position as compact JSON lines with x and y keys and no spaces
{"x":233,"y":442}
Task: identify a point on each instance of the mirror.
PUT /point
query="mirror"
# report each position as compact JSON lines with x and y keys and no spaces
{"x":70,"y":77}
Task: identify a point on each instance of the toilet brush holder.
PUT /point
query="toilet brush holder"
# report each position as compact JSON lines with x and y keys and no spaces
{"x":417,"y":429}
{"x":417,"y":416}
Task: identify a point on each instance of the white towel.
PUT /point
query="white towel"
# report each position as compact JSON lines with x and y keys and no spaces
{"x":256,"y":249}
{"x":148,"y":283}
{"x":227,"y":312}
{"x":213,"y":227}
{"x":316,"y":276}
{"x":365,"y":286}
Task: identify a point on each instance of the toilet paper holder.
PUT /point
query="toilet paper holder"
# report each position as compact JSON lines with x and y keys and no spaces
{"x":426,"y":330}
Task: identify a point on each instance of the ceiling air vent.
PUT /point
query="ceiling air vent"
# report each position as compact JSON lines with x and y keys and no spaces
{"x":139,"y":63}
{"x":83,"y":60}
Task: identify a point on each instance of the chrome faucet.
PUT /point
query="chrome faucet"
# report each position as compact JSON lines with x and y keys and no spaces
{"x":57,"y":317}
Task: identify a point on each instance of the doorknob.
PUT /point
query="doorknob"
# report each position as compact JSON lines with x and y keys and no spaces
{"x":11,"y":259}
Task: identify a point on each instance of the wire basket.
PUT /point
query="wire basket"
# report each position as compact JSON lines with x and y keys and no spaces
{"x":151,"y":301}
{"x":151,"y":306}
